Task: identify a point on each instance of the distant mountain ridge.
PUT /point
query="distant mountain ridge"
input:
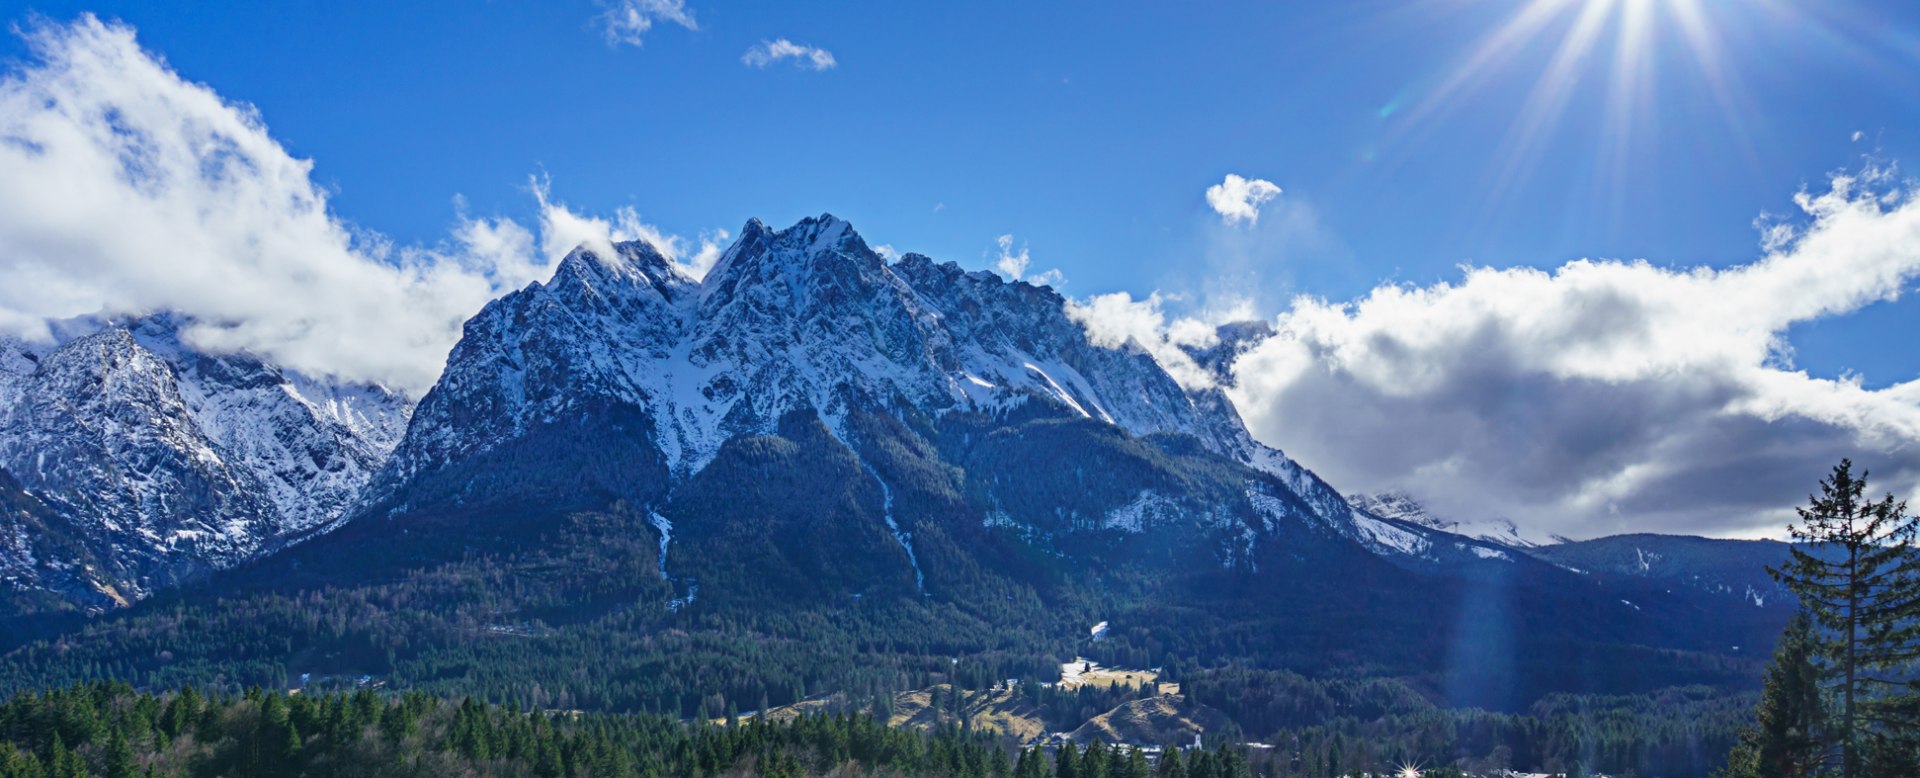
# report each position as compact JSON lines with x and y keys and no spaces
{"x":1401,"y":506}
{"x":1727,"y":569}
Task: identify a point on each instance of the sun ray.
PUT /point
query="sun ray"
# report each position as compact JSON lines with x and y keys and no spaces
{"x":1620,"y":93}
{"x":1491,"y":53}
{"x":1577,"y":68}
{"x":1703,"y":41}
{"x":1546,"y":102}
{"x":1627,"y":98}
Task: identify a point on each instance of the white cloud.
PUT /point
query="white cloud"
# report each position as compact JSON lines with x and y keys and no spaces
{"x":1238,"y":199}
{"x":1014,"y":265}
{"x":712,"y":245}
{"x":1603,"y":396}
{"x":562,"y":231}
{"x":1116,"y":320}
{"x":127,"y":190}
{"x":770,"y":52}
{"x":626,"y":22}
{"x":1010,"y":264}
{"x":1857,"y":135}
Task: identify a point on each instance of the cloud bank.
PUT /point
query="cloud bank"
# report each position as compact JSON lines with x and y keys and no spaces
{"x":1604,"y":396}
{"x":626,"y":22}
{"x":1238,"y":199}
{"x":771,"y":52}
{"x":126,"y":190}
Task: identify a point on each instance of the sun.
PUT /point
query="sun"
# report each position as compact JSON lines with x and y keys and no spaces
{"x":1604,"y":52}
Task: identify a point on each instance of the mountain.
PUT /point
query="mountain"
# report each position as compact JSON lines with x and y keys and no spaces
{"x":621,"y":379}
{"x":161,"y":461}
{"x":1401,"y":507}
{"x":1413,"y":537}
{"x":815,"y":469}
{"x":1734,"y":570}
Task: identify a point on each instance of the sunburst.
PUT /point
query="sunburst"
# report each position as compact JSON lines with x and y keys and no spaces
{"x":1628,"y":48}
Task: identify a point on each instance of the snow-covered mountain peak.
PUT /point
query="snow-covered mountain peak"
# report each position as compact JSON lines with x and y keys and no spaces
{"x":808,"y":317}
{"x":634,"y":263}
{"x":1400,"y":506}
{"x":816,"y":244}
{"x":173,"y":460}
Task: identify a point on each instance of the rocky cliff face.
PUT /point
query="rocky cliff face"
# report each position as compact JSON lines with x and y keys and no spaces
{"x":167,"y":461}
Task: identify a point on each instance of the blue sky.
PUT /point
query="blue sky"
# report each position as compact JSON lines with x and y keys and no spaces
{"x":1088,"y":131}
{"x":1090,"y":134}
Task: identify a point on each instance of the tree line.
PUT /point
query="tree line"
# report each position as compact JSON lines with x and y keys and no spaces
{"x":110,"y":730}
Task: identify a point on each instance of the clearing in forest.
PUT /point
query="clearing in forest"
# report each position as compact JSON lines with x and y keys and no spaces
{"x":1085,"y":672}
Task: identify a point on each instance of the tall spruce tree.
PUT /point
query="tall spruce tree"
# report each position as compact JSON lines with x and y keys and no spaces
{"x":1854,"y":569}
{"x":1066,"y":762}
{"x":1790,"y":737}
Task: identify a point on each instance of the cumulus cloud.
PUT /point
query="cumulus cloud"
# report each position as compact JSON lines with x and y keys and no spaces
{"x":1238,"y":199}
{"x":771,"y":52}
{"x":562,"y":230}
{"x":1604,"y":396}
{"x":626,"y":22}
{"x":1013,"y":264}
{"x":1117,"y":320}
{"x":126,"y":190}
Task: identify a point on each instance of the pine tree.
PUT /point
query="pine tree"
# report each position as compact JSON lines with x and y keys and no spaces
{"x":1856,"y":574}
{"x":120,"y":761}
{"x":1171,"y":765}
{"x":1066,"y":764}
{"x":1789,"y":736}
{"x":64,"y":763}
{"x":999,"y":766}
{"x":1200,"y":764}
{"x":1136,"y":764}
{"x":1032,"y":764}
{"x":1093,"y":763}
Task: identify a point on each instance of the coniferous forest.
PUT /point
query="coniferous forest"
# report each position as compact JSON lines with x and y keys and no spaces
{"x":463,"y":691}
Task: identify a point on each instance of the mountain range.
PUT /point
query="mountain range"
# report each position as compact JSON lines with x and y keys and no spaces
{"x":813,"y":445}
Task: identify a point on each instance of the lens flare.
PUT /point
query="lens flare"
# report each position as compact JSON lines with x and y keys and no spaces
{"x":1609,"y":57}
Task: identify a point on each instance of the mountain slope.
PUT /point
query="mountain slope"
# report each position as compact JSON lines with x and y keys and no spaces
{"x":167,"y":461}
{"x":1726,"y":570}
{"x":46,"y":563}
